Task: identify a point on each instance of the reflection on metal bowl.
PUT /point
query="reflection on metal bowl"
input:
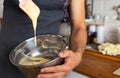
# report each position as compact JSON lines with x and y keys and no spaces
{"x":48,"y":46}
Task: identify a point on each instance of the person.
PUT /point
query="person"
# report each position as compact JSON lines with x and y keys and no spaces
{"x":17,"y":27}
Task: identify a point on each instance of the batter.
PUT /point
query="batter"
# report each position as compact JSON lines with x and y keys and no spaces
{"x":31,"y":9}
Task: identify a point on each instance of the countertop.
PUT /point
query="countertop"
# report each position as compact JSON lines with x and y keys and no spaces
{"x":0,"y":22}
{"x":96,"y":65}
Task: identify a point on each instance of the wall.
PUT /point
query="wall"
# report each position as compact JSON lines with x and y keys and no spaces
{"x":1,"y":8}
{"x":104,"y":9}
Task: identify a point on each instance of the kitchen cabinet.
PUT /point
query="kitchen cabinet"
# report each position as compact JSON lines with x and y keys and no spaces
{"x":97,"y":65}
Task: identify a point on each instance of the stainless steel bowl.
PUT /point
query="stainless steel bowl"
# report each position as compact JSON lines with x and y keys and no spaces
{"x":46,"y":44}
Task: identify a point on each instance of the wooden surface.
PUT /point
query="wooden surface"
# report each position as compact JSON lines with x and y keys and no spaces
{"x":0,"y":20}
{"x":97,"y":65}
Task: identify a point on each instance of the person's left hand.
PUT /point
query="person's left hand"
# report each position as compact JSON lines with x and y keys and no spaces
{"x":72,"y":59}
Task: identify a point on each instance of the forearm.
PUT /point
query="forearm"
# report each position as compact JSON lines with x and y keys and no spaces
{"x":78,"y":35}
{"x":78,"y":38}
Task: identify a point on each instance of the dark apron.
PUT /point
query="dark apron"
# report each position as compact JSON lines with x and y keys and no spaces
{"x":17,"y":27}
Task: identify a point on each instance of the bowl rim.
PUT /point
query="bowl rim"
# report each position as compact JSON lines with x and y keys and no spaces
{"x":38,"y":65}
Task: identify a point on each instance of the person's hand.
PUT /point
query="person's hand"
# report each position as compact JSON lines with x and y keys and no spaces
{"x":72,"y":59}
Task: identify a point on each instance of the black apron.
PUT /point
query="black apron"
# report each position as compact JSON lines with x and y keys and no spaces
{"x":17,"y":27}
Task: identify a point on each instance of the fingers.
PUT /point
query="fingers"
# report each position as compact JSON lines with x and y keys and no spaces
{"x":54,"y":69}
{"x":61,"y":70}
{"x":52,"y":75}
{"x":54,"y":72}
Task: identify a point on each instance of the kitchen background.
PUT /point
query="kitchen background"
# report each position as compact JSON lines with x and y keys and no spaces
{"x":102,"y":10}
{"x":1,"y":8}
{"x":104,"y":14}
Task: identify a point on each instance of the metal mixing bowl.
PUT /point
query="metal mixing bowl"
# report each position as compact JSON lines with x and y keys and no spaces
{"x":46,"y":44}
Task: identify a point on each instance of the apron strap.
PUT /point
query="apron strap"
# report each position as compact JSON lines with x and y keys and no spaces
{"x":65,"y":8}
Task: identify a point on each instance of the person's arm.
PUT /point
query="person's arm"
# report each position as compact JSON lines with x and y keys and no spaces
{"x":78,"y":35}
{"x":78,"y":27}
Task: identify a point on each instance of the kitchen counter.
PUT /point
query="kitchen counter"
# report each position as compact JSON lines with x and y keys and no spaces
{"x":0,"y":22}
{"x":97,"y":65}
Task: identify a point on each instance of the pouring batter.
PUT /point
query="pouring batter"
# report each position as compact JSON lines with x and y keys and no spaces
{"x":17,"y":27}
{"x":31,"y":9}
